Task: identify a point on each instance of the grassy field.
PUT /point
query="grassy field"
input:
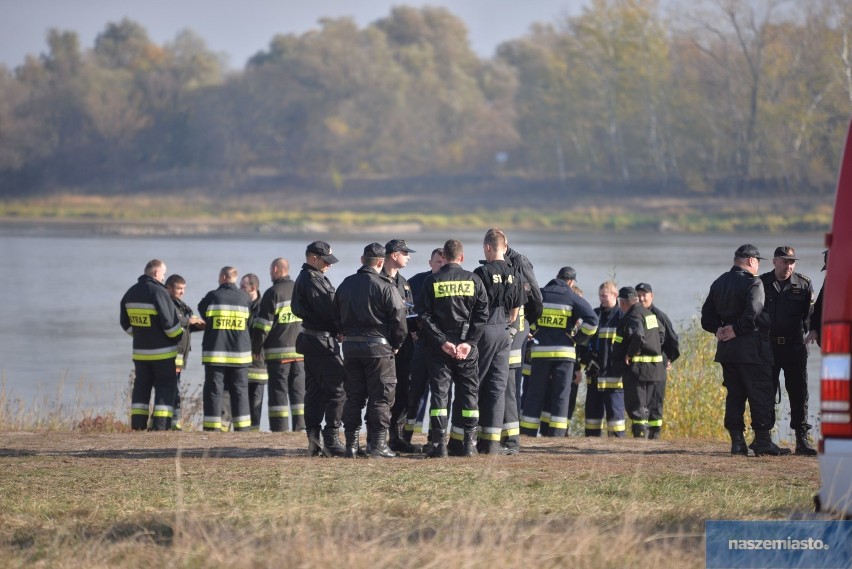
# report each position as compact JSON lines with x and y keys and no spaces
{"x":255,"y":500}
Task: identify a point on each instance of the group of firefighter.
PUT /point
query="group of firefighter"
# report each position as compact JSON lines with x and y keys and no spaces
{"x":495,"y":355}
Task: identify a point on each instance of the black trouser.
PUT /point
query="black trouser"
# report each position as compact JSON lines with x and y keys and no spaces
{"x":510,"y":436}
{"x":324,"y":377}
{"x":493,"y":349}
{"x":234,"y":380}
{"x":793,"y":360}
{"x":370,"y":381}
{"x":752,"y":383}
{"x":644,"y":402}
{"x":286,"y":395}
{"x":604,"y":407}
{"x":464,"y":375}
{"x":255,"y":395}
{"x":159,"y":376}
{"x":176,"y":412}
{"x":399,"y":411}
{"x":418,"y":383}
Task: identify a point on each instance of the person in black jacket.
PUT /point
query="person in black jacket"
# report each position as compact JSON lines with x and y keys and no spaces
{"x":176,"y":286}
{"x":370,"y":315}
{"x":504,"y":287}
{"x":453,"y":310}
{"x":313,"y":296}
{"x":274,"y":334}
{"x":733,"y":312}
{"x":149,"y":315}
{"x":815,"y":335}
{"x":258,"y":376}
{"x":670,"y":346}
{"x":789,"y":303}
{"x":638,"y":352}
{"x":226,"y":352}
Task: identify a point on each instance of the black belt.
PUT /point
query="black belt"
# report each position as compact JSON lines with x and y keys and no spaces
{"x":316,"y":333}
{"x":368,"y":339}
{"x":781,"y":340}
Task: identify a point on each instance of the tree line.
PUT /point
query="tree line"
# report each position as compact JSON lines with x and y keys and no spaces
{"x":708,"y":96}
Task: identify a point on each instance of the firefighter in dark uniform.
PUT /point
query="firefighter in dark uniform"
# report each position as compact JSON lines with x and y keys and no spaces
{"x":528,"y":313}
{"x":733,"y":311}
{"x":789,"y":303}
{"x":604,"y":388}
{"x":274,"y":335}
{"x":418,"y":385}
{"x":397,"y":255}
{"x":815,"y":335}
{"x":226,"y":352}
{"x":258,"y":376}
{"x":176,"y":286}
{"x":638,"y":354}
{"x":149,"y":315}
{"x":371,"y":316}
{"x":566,"y":320}
{"x":505,"y":297}
{"x":313,"y":296}
{"x":453,"y":310}
{"x":670,"y":346}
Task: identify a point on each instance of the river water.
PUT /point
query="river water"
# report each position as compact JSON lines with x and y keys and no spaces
{"x":61,"y":339}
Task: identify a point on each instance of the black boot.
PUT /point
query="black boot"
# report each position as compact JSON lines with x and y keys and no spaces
{"x":379,"y":448}
{"x":438,"y":448}
{"x":639,"y":431}
{"x":653,"y":433}
{"x":738,"y":443}
{"x":353,"y":445}
{"x":763,"y":445}
{"x":803,"y":445}
{"x":470,"y":436}
{"x":402,"y":441}
{"x":331,"y":441}
{"x":314,"y":442}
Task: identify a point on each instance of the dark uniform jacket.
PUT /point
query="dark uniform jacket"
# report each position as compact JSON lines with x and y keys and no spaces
{"x":736,"y":298}
{"x":453,"y":307}
{"x":405,"y":291}
{"x":597,"y":355}
{"x":638,"y":337}
{"x":789,"y":306}
{"x":226,"y":337}
{"x":532,"y":305}
{"x":504,"y":288}
{"x":370,"y":314}
{"x":313,"y":295}
{"x":149,"y":315}
{"x":816,"y":317}
{"x":668,"y":336}
{"x":566,"y":320}
{"x":257,"y":371}
{"x":276,"y":327}
{"x":184,"y":345}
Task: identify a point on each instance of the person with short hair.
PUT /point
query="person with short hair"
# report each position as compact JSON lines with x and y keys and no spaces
{"x":790,"y":303}
{"x":370,"y":315}
{"x":258,"y":376}
{"x":176,"y":286}
{"x":226,"y":352}
{"x":313,"y":298}
{"x":148,"y":314}
{"x":604,"y":387}
{"x":453,"y":310}
{"x":733,"y":312}
{"x":274,"y":334}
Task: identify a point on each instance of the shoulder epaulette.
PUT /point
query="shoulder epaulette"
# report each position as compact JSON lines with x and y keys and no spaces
{"x":803,"y":277}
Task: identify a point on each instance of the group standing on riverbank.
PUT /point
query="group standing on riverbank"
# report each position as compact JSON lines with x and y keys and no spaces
{"x":370,"y":342}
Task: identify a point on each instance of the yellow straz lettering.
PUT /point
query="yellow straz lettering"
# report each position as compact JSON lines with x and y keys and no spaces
{"x":225,"y":323}
{"x":552,"y":321}
{"x":141,"y":320}
{"x":453,"y":288}
{"x":286,"y":316}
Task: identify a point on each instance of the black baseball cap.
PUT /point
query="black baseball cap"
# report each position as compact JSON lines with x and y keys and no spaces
{"x":627,"y":292}
{"x":397,"y":245}
{"x":746,"y":251}
{"x":374,"y":251}
{"x":567,"y":274}
{"x":786,"y":252}
{"x":644,"y":286}
{"x":322,"y":249}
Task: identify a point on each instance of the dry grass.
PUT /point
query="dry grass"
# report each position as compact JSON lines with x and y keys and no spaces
{"x":255,"y":500}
